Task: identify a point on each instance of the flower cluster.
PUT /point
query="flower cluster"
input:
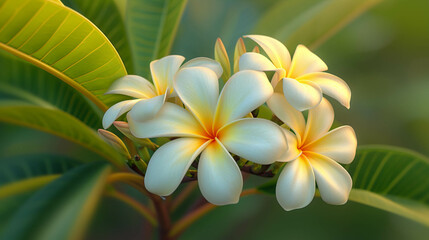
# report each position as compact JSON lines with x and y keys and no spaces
{"x":209,"y":127}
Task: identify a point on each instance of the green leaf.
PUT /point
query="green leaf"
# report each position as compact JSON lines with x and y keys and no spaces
{"x":60,"y":124}
{"x":389,"y":178}
{"x":106,"y":15}
{"x":152,"y":26}
{"x":62,"y":209}
{"x":21,"y":167}
{"x":23,"y":81}
{"x":310,"y":22}
{"x":63,"y":43}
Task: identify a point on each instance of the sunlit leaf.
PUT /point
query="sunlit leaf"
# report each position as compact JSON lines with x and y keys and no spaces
{"x":60,"y":124}
{"x":62,"y":209}
{"x":389,"y":178}
{"x":309,"y":22}
{"x":62,"y":42}
{"x":105,"y":14}
{"x":152,"y":26}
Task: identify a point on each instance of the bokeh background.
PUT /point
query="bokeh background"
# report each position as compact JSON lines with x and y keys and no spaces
{"x":384,"y":57}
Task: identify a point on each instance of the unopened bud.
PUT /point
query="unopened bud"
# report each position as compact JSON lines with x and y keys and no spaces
{"x":124,"y":128}
{"x":240,"y":49}
{"x":114,"y":141}
{"x":222,"y":57}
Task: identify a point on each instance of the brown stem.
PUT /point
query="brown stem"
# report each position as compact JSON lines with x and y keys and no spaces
{"x":183,"y":195}
{"x":163,"y":218}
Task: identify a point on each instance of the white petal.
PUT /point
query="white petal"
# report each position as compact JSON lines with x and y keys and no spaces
{"x":296,"y":187}
{"x":275,"y":50}
{"x":169,"y":164}
{"x":205,"y":62}
{"x":219,"y":177}
{"x":244,"y":92}
{"x":257,"y":140}
{"x":304,"y":61}
{"x":292,"y":152}
{"x":332,"y":86}
{"x":171,"y":121}
{"x":319,"y":121}
{"x":147,"y":108}
{"x":198,"y":88}
{"x":255,"y":61}
{"x":301,"y":95}
{"x":133,"y":86}
{"x":333,"y":181}
{"x":163,"y":71}
{"x":287,"y":114}
{"x":116,"y":111}
{"x":339,"y":144}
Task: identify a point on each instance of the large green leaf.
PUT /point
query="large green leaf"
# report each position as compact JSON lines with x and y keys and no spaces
{"x":389,"y":178}
{"x":62,"y":42}
{"x":62,"y":209}
{"x":23,"y":81}
{"x":60,"y":124}
{"x":106,"y":15}
{"x":152,"y":26}
{"x":21,"y":167}
{"x":310,"y":22}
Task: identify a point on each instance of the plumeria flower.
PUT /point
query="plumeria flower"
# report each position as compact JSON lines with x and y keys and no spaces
{"x":302,"y":80}
{"x":314,"y":155}
{"x":149,"y":97}
{"x":212,"y":126}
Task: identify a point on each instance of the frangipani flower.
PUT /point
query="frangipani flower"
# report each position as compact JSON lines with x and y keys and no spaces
{"x":150,"y":97}
{"x":314,"y":155}
{"x":302,"y":80}
{"x":211,"y":126}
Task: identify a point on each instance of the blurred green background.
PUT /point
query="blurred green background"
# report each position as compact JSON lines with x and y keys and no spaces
{"x":384,"y":57}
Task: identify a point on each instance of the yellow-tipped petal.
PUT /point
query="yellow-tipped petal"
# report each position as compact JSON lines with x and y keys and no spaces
{"x":244,"y":92}
{"x":222,"y":57}
{"x":198,"y":88}
{"x":331,"y":85}
{"x":114,"y":141}
{"x":339,"y":145}
{"x":319,"y":121}
{"x":116,"y":111}
{"x":275,"y":50}
{"x":219,"y":177}
{"x":163,"y":71}
{"x":333,"y":181}
{"x":296,"y":184}
{"x":287,"y":114}
{"x":169,"y":164}
{"x":302,"y":95}
{"x":304,"y":61}
{"x":239,"y":50}
{"x":205,"y":62}
{"x":133,"y":86}
{"x":257,"y":140}
{"x":171,"y":121}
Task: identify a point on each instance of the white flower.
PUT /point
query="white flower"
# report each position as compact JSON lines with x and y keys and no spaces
{"x":211,"y":126}
{"x":150,"y":97}
{"x":314,"y":155}
{"x":302,"y":80}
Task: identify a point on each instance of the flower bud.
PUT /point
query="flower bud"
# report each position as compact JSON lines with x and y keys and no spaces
{"x":222,"y":57}
{"x":240,"y":49}
{"x":114,"y":141}
{"x":124,"y":129}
